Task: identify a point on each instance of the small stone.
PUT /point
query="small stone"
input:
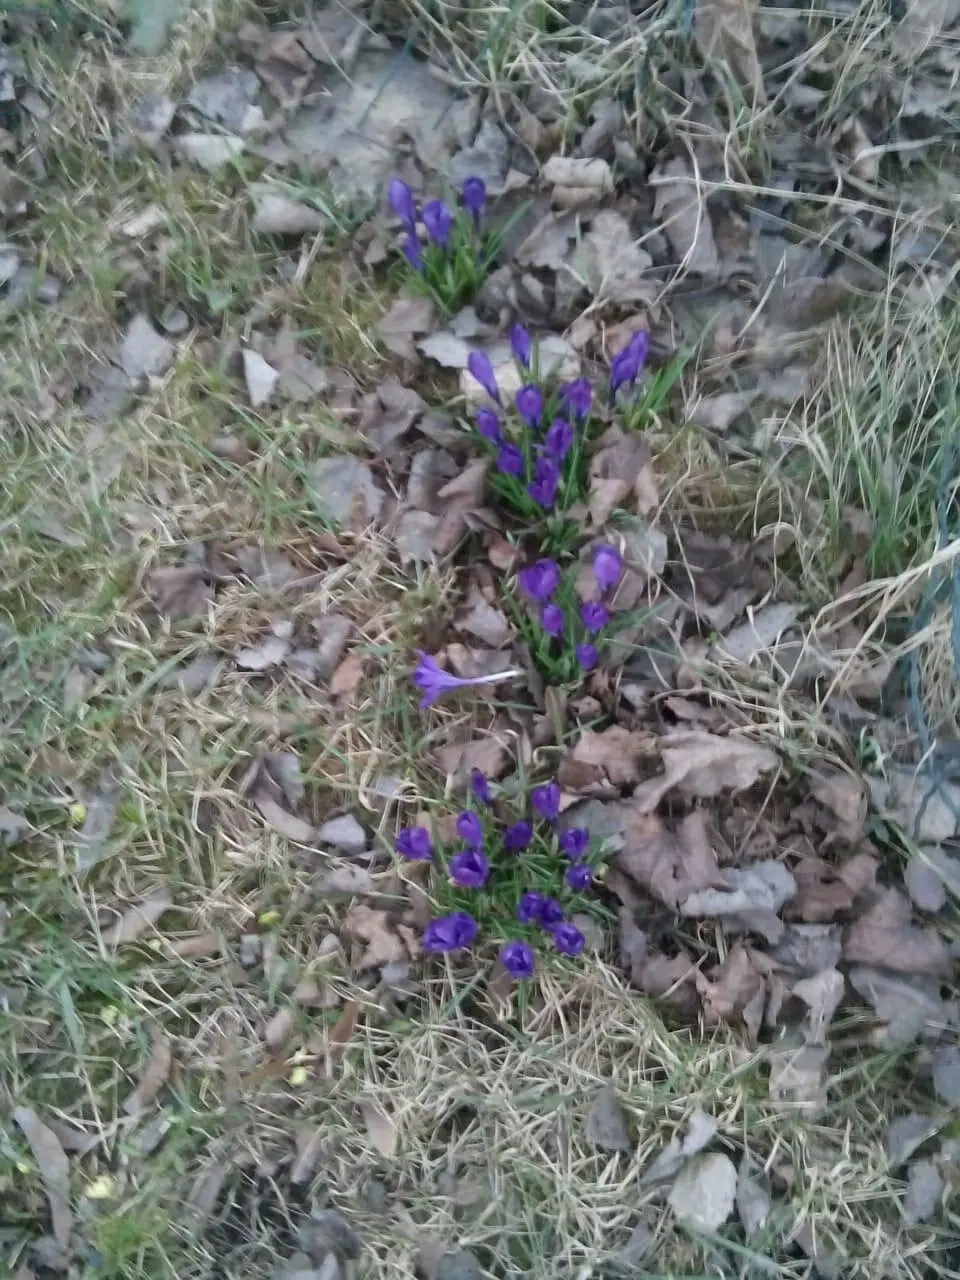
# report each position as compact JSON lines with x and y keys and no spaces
{"x":463,"y":1265}
{"x":344,"y":833}
{"x":606,"y":1125}
{"x":174,"y":320}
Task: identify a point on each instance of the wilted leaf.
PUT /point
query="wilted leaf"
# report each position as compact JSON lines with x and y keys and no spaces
{"x":822,"y":994}
{"x":719,"y":412}
{"x":703,"y":1195}
{"x":482,"y":620}
{"x":724,"y":32}
{"x":373,"y":927}
{"x":94,"y":835}
{"x":279,"y":1029}
{"x":753,"y":1199}
{"x":797,"y":1077}
{"x":570,"y":171}
{"x":381,"y":1128}
{"x":614,"y":753}
{"x":547,"y":244}
{"x":669,"y":865}
{"x":348,"y":675}
{"x":758,"y":635}
{"x":54,"y":1169}
{"x":446,"y":349}
{"x":846,"y":798}
{"x":137,"y":919}
{"x":406,"y":318}
{"x":885,"y":936}
{"x":908,"y":1007}
{"x":209,"y":151}
{"x":929,"y":874}
{"x":488,"y":754}
{"x":275,"y":213}
{"x":284,"y":822}
{"x":610,"y":263}
{"x":270,"y":652}
{"x":704,"y":764}
{"x":701,"y":1129}
{"x":195,"y":676}
{"x":259,"y":376}
{"x":606,"y":1123}
{"x":760,"y":886}
{"x":731,"y":990}
{"x":824,"y":890}
{"x":343,"y":832}
{"x":682,"y":211}
{"x":619,"y":467}
{"x":345,"y":491}
{"x":925,"y":810}
{"x":924,"y":1188}
{"x":144,"y":352}
{"x":347,"y":880}
{"x":179,"y":591}
{"x":154,"y":1076}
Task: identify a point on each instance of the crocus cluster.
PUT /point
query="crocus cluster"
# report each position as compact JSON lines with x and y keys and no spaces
{"x":436,"y":217}
{"x":493,"y":850}
{"x":539,"y":582}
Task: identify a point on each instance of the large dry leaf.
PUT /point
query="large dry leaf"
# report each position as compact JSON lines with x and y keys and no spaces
{"x":345,"y":491}
{"x":282,"y":821}
{"x":371,"y":926}
{"x":846,"y":798}
{"x":259,"y":376}
{"x":678,"y":206}
{"x":137,"y":919}
{"x":885,"y":936}
{"x":824,"y":891}
{"x":620,"y":466}
{"x":906,"y":1007}
{"x":610,"y":263}
{"x":703,"y":1195}
{"x":614,"y":755}
{"x":729,"y":989}
{"x":724,"y":32}
{"x":179,"y":591}
{"x":822,"y":994}
{"x":381,"y":1128}
{"x":490,"y":754}
{"x":406,"y":318}
{"x":669,"y":865}
{"x":154,"y":1076}
{"x":482,"y":620}
{"x":704,"y":764}
{"x":54,"y":1169}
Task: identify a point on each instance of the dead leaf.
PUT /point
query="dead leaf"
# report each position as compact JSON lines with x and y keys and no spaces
{"x":179,"y":591}
{"x":462,"y":496}
{"x":724,"y":31}
{"x":609,"y":262}
{"x":704,"y":764}
{"x":259,"y":376}
{"x":929,"y":874}
{"x":703,"y":1195}
{"x":381,"y":1128}
{"x":93,"y":839}
{"x":908,"y":1132}
{"x":946,"y":1074}
{"x":209,"y":151}
{"x":154,"y":1076}
{"x":682,"y":212}
{"x":756,"y":887}
{"x":753,"y":1199}
{"x":885,"y":936}
{"x":279,"y":1029}
{"x":384,"y":946}
{"x":137,"y":919}
{"x":728,"y":989}
{"x":342,"y":1030}
{"x":144,"y":353}
{"x":276,"y":213}
{"x":614,"y":753}
{"x":822,"y":994}
{"x":669,"y":865}
{"x":925,"y":810}
{"x":718,"y":412}
{"x":406,"y":318}
{"x":344,"y":490}
{"x":797,"y":1076}
{"x":346,"y":880}
{"x":758,"y":635}
{"x":348,"y":675}
{"x":482,"y":620}
{"x":569,"y":171}
{"x":269,"y":652}
{"x":344,"y":832}
{"x":53,"y":1167}
{"x":845,"y":797}
{"x":620,"y":466}
{"x":922,"y":23}
{"x":906,"y":1007}
{"x":284,"y":822}
{"x":924,"y":1188}
{"x":488,"y":754}
{"x":606,"y":1124}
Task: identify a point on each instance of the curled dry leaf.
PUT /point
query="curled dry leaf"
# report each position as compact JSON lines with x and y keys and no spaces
{"x":907,"y":1007}
{"x":670,"y":865}
{"x":729,"y":989}
{"x":54,"y":1169}
{"x":703,"y":1195}
{"x":381,"y":1128}
{"x":681,"y":210}
{"x":610,"y":263}
{"x":489,"y":754}
{"x":845,"y":797}
{"x":406,"y":318}
{"x":287,"y":824}
{"x":822,"y":994}
{"x":482,"y":620}
{"x":620,"y":466}
{"x":758,"y":635}
{"x":825,"y":890}
{"x":179,"y":591}
{"x":885,"y":936}
{"x":384,"y":944}
{"x":348,"y":675}
{"x":138,"y":918}
{"x":154,"y":1076}
{"x":615,"y":754}
{"x":724,"y":32}
{"x":704,"y":764}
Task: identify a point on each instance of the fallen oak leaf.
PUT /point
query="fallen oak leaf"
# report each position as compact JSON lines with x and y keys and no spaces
{"x":54,"y":1169}
{"x":154,"y":1075}
{"x":704,"y":764}
{"x":669,"y":865}
{"x":885,"y":936}
{"x":614,"y":753}
{"x":137,"y":919}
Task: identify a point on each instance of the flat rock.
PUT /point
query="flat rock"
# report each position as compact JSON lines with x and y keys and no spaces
{"x":343,"y":833}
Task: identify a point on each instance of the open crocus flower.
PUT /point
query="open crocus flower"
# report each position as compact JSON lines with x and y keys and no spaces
{"x":517,"y":836}
{"x":530,"y":905}
{"x":551,"y":619}
{"x":474,"y":193}
{"x":574,"y":841}
{"x":510,"y":459}
{"x":607,"y":566}
{"x":567,"y":938}
{"x":437,"y":219}
{"x":414,"y":842}
{"x":469,"y":828}
{"x":578,"y":876}
{"x":546,"y":477}
{"x":521,"y":344}
{"x":450,"y":932}
{"x":469,"y":868}
{"x":517,"y":958}
{"x":546,"y":800}
{"x":594,"y":615}
{"x":529,"y":401}
{"x":432,"y":680}
{"x":401,"y":201}
{"x":539,"y":581}
{"x":478,"y":362}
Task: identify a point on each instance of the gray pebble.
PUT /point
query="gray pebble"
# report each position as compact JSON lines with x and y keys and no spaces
{"x":606,"y":1125}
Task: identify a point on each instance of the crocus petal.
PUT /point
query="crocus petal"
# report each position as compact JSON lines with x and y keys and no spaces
{"x":450,"y":932}
{"x":594,"y":615}
{"x":414,"y":842}
{"x":607,"y":566}
{"x":551,"y":619}
{"x":411,"y":251}
{"x":578,"y":876}
{"x":470,"y":829}
{"x":510,"y":459}
{"x":577,"y":395}
{"x":478,"y":362}
{"x":402,"y":203}
{"x":488,"y":424}
{"x":529,"y":402}
{"x":469,"y":868}
{"x":479,"y":786}
{"x":437,"y":219}
{"x":520,"y":344}
{"x":517,"y":836}
{"x":586,"y":655}
{"x":574,"y":841}
{"x":546,"y":799}
{"x":567,"y":938}
{"x":530,"y":906}
{"x":558,"y":439}
{"x":539,"y":581}
{"x":518,"y":959}
{"x":474,"y":193}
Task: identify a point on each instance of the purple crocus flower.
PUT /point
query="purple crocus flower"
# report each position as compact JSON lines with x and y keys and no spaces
{"x":530,"y":906}
{"x":479,"y":786}
{"x":414,"y":842}
{"x":594,"y":615}
{"x":577,"y":395}
{"x":470,"y":829}
{"x":546,"y":477}
{"x":488,"y":424}
{"x":433,"y":681}
{"x":546,"y":800}
{"x":478,"y":362}
{"x":529,"y":401}
{"x":520,"y":344}
{"x":517,"y":958}
{"x":469,"y":868}
{"x":449,"y":933}
{"x":586,"y":655}
{"x":607,"y":566}
{"x":517,"y":836}
{"x":437,"y":219}
{"x":410,"y":246}
{"x":539,"y":581}
{"x":550,"y":913}
{"x":510,"y":459}
{"x":568,"y":938}
{"x":551,"y":619}
{"x":574,"y":841}
{"x":626,"y":364}
{"x":558,"y":439}
{"x":402,"y":203}
{"x":578,"y":876}
{"x":474,"y":193}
